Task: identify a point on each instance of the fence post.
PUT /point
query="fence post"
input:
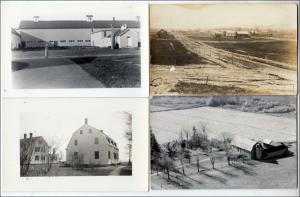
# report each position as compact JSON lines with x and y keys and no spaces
{"x":232,"y":57}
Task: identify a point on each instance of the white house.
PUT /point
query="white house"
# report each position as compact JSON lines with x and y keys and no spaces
{"x":15,"y":39}
{"x":66,"y":33}
{"x":124,"y":37}
{"x":35,"y":150}
{"x":91,"y":146}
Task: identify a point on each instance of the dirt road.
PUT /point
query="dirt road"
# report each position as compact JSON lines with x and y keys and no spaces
{"x":221,"y":73}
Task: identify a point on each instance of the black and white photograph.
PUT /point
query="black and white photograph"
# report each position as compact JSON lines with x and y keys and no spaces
{"x":59,"y":45}
{"x":61,"y":144}
{"x":231,"y":142}
{"x":223,"y":49}
{"x":56,"y":148}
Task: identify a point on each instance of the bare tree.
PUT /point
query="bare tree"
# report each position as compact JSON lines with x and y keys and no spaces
{"x":128,"y":135}
{"x":50,"y":152}
{"x":26,"y":152}
{"x":167,"y":163}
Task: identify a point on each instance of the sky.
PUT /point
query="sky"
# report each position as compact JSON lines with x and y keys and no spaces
{"x":59,"y":126}
{"x":193,"y":16}
{"x":23,"y":10}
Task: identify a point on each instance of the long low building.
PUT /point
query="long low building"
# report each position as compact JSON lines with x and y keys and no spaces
{"x":65,"y":33}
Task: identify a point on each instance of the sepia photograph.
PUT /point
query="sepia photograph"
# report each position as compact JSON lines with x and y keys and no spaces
{"x":223,"y":49}
{"x":55,"y":148}
{"x":226,"y":142}
{"x":92,"y":45}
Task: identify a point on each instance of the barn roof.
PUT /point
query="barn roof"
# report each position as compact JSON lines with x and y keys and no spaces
{"x":243,"y":143}
{"x":77,"y":24}
{"x":13,"y":31}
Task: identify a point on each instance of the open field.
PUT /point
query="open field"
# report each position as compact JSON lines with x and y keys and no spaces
{"x":57,"y":170}
{"x":279,"y":173}
{"x":76,"y":68}
{"x":166,"y":125}
{"x":281,"y":51}
{"x":196,"y":68}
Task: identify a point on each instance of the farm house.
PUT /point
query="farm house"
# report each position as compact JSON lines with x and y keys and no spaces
{"x":89,"y":145}
{"x":124,"y":37}
{"x":259,"y":150}
{"x":67,"y":33}
{"x":37,"y":149}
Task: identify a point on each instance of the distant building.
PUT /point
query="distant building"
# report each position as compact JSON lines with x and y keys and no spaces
{"x":242,"y":34}
{"x":91,"y":146}
{"x":35,"y":150}
{"x":15,"y":39}
{"x":67,"y":33}
{"x":162,"y":34}
{"x":259,"y":149}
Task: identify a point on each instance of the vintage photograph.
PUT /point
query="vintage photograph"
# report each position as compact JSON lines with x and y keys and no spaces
{"x":89,"y":46}
{"x":223,"y":49}
{"x":226,"y":142}
{"x":58,"y":145}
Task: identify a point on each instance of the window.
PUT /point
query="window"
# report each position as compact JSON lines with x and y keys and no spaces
{"x":81,"y":131}
{"x":96,"y":140}
{"x":37,"y":149}
{"x":96,"y":154}
{"x":87,"y":40}
{"x":71,"y":40}
{"x":40,"y":41}
{"x":43,"y":149}
{"x":115,"y":156}
{"x":43,"y":157}
{"x":90,"y":130}
{"x":36,"y":158}
{"x":63,"y":41}
{"x":79,"y":40}
{"x":75,"y":142}
{"x":75,"y":155}
{"x":108,"y":154}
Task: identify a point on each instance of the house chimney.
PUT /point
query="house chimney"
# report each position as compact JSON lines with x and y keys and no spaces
{"x":25,"y":136}
{"x":30,"y":135}
{"x":85,"y":121}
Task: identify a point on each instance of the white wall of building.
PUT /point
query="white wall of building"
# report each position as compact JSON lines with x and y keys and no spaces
{"x":86,"y":146}
{"x":15,"y":41}
{"x":129,"y":39}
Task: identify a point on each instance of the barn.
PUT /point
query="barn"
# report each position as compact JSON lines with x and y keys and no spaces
{"x":91,"y":146}
{"x":67,"y":33}
{"x":259,"y":150}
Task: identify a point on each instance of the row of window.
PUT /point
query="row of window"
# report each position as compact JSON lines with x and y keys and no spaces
{"x":97,"y":155}
{"x":96,"y":141}
{"x":81,"y":131}
{"x":51,"y":41}
{"x":42,"y":157}
{"x":63,"y":41}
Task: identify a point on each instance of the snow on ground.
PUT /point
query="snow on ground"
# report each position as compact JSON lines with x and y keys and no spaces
{"x":167,"y":125}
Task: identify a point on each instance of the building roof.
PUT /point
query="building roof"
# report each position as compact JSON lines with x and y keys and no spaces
{"x":31,"y":141}
{"x":122,"y":32}
{"x":243,"y":143}
{"x":77,"y":24}
{"x":13,"y":31}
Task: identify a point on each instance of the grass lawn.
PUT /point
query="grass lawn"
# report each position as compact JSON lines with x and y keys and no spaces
{"x":57,"y":170}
